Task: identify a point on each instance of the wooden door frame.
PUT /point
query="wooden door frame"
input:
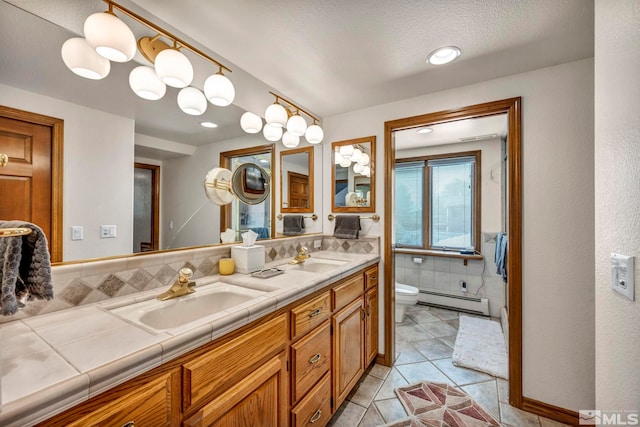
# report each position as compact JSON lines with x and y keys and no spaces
{"x":155,"y":202}
{"x":57,"y":144}
{"x":512,"y":107}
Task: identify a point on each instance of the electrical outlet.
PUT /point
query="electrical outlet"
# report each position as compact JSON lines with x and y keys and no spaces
{"x":463,"y":285}
{"x":317,"y":244}
{"x":77,"y":232}
{"x":622,"y":275}
{"x":107,"y":231}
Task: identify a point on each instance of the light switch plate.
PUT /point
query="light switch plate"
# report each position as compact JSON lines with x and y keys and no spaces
{"x":622,"y":275}
{"x":107,"y":231}
{"x":77,"y":232}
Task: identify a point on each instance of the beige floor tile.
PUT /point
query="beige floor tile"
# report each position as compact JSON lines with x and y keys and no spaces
{"x":393,"y":381}
{"x":486,"y":394}
{"x":423,"y":371}
{"x":460,"y":376}
{"x":450,"y":340}
{"x":546,"y":422}
{"x":433,"y":349}
{"x":503,"y":390}
{"x":443,"y":314}
{"x":366,"y":389}
{"x":411,"y":333}
{"x":348,"y":415}
{"x":439,"y":329}
{"x":379,"y":371}
{"x":422,"y":316}
{"x":390,"y":409}
{"x":405,"y":357}
{"x":371,"y":418}
{"x":514,"y":417}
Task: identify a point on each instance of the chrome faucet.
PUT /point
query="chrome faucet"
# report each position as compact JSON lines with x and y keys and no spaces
{"x":182,"y":286}
{"x":302,"y":256}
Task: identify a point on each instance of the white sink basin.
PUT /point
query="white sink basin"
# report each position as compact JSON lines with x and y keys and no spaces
{"x":318,"y":265}
{"x":163,"y":315}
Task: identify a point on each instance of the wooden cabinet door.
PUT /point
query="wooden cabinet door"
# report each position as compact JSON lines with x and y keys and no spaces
{"x":371,"y":325}
{"x":348,"y":349}
{"x":260,"y":399}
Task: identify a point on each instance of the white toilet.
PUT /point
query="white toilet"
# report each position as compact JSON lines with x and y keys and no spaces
{"x":405,"y":296}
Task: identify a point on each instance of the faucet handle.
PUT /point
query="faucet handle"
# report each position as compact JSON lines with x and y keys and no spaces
{"x":185,"y":274}
{"x":304,"y":249}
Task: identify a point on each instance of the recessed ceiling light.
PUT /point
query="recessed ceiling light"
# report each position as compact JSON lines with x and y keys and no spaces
{"x":443,"y":55}
{"x":264,"y":161}
{"x":424,"y":130}
{"x":208,"y":124}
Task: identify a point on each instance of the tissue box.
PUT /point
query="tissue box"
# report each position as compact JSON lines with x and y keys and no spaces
{"x":248,"y":259}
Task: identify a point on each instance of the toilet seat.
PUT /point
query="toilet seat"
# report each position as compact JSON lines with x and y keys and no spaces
{"x":406,"y":290}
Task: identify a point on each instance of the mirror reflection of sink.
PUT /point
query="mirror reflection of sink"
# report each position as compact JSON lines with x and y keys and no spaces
{"x":318,"y":265}
{"x":164,"y":315}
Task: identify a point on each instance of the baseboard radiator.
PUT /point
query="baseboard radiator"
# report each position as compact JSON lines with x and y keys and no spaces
{"x":467,"y":304}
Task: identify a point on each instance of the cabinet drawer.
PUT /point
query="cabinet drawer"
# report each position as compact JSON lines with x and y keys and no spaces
{"x":307,"y":316}
{"x":152,"y":403}
{"x":315,"y":409}
{"x":371,"y":277}
{"x":311,"y":359}
{"x":346,"y":292}
{"x":225,"y":365}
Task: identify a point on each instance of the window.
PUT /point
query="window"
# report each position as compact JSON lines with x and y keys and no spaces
{"x":438,"y":202}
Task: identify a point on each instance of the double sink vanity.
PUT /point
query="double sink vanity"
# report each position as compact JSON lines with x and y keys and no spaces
{"x":240,"y":350}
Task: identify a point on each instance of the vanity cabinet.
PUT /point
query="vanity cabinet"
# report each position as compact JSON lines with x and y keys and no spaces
{"x":348,"y":349}
{"x":371,"y":314}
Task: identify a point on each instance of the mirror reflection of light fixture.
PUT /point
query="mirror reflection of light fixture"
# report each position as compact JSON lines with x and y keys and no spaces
{"x":346,"y":151}
{"x":81,"y":58}
{"x":357,"y":168}
{"x":366,"y":171}
{"x":251,"y":122}
{"x":337,"y":158}
{"x":112,"y":39}
{"x":272,"y":133}
{"x":364,"y":159}
{"x":109,"y":36}
{"x":192,"y":101}
{"x":345,"y":163}
{"x":288,"y":116}
{"x":356,"y":155}
{"x":146,"y":84}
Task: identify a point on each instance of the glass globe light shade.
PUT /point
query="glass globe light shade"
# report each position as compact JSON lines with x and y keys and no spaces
{"x":366,"y":171}
{"x":357,"y":168}
{"x":297,"y":125}
{"x":272,"y":133}
{"x":276,"y":115}
{"x":337,"y":159}
{"x":219,"y":90}
{"x":364,"y":159}
{"x":346,"y":151}
{"x":173,"y":68}
{"x":83,"y":60}
{"x":110,"y":37}
{"x":192,"y":101}
{"x":250,"y":122}
{"x":357,"y":155}
{"x":314,"y":134}
{"x":290,"y":140}
{"x":145,"y":83}
{"x":345,"y":163}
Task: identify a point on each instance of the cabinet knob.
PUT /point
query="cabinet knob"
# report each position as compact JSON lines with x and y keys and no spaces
{"x":4,"y":159}
{"x":315,"y":358}
{"x":315,"y":416}
{"x":373,"y":277}
{"x":315,"y":312}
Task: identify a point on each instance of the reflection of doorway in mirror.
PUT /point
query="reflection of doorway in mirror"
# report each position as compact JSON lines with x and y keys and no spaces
{"x":146,"y":202}
{"x":298,"y":190}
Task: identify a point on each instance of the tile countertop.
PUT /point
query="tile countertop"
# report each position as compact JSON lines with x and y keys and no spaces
{"x":55,"y":361}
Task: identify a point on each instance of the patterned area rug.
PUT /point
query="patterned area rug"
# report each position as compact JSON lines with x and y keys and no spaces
{"x":440,"y":405}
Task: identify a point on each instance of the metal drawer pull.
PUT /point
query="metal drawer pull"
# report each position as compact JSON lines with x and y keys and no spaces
{"x":373,"y":277}
{"x":129,"y":424}
{"x":315,"y":358}
{"x":316,"y":416}
{"x":315,"y":312}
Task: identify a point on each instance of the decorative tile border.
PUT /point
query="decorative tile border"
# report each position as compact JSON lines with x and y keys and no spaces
{"x":94,"y":281}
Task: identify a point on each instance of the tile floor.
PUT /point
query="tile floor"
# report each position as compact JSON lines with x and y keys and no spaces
{"x":424,"y":345}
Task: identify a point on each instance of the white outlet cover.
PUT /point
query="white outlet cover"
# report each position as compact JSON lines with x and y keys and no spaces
{"x":623,"y":275}
{"x":77,"y":232}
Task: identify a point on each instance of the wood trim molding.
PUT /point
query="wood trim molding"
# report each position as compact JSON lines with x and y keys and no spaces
{"x":57,"y":159}
{"x":512,"y":107}
{"x":155,"y":202}
{"x":552,"y":412}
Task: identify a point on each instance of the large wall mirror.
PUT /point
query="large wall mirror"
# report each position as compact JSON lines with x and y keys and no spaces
{"x":250,"y":210}
{"x":353,"y":175}
{"x":296,"y":180}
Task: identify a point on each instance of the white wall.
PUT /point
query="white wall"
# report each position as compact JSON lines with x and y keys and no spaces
{"x":94,"y":142}
{"x":617,"y":180}
{"x":558,"y":241}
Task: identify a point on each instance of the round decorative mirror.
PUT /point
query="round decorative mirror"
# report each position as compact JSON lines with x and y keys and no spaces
{"x":249,"y":183}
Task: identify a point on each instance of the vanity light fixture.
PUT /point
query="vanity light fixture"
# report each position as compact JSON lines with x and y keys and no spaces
{"x":210,"y":125}
{"x":443,"y":55}
{"x":112,"y":39}
{"x":287,"y":116}
{"x":290,"y":140}
{"x":251,"y":122}
{"x":192,"y":101}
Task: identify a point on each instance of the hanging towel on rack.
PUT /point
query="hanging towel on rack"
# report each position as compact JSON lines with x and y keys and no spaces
{"x":25,"y":267}
{"x":347,"y":227}
{"x":501,"y":255}
{"x":292,"y":225}
{"x":263,"y":232}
